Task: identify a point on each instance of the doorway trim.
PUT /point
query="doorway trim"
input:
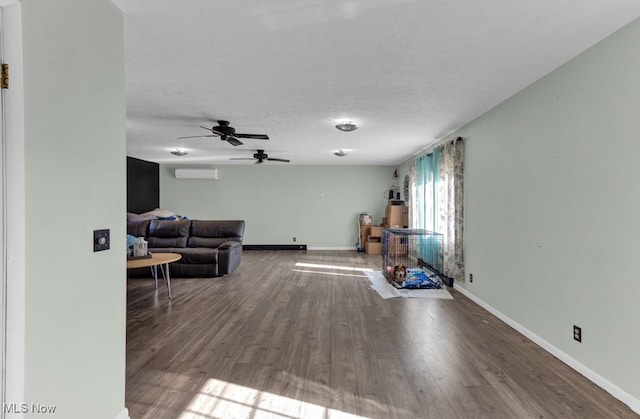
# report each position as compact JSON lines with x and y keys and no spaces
{"x":13,"y":215}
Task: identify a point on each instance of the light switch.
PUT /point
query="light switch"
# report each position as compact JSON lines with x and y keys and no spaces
{"x":100,"y":240}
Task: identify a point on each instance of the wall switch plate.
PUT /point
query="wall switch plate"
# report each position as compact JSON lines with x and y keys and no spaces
{"x":577,"y":333}
{"x":101,"y":240}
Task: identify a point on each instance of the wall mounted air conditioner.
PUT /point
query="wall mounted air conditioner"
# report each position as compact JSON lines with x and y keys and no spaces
{"x":189,"y":173}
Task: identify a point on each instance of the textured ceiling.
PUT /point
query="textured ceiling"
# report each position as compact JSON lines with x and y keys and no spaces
{"x":406,"y":71}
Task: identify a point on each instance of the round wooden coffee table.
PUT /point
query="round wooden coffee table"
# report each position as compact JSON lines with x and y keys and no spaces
{"x":157,"y":259}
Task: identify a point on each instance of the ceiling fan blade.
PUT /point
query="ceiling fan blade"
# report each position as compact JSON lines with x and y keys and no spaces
{"x":234,"y":141}
{"x":215,"y":133}
{"x":254,"y":136}
{"x":282,"y":160}
{"x":198,"y":136}
{"x":242,"y":158}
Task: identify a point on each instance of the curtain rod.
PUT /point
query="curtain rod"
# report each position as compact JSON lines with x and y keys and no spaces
{"x":430,"y":148}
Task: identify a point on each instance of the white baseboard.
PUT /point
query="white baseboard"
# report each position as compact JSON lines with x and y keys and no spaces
{"x":123,"y":415}
{"x":591,"y":375}
{"x":332,"y":248}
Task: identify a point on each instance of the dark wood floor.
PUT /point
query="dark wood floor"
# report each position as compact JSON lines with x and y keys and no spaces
{"x":295,"y":334}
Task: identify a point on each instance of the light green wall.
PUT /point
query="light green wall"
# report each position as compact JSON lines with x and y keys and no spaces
{"x":319,"y":205}
{"x":552,"y":236}
{"x":75,"y":183}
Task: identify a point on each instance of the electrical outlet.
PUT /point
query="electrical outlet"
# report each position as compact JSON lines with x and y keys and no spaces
{"x":294,"y":239}
{"x":470,"y":277}
{"x":577,"y":333}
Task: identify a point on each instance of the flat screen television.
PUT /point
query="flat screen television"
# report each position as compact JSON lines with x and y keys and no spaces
{"x":143,"y":185}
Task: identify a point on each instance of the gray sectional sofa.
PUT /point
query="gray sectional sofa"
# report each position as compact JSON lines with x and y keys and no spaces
{"x":208,"y":248}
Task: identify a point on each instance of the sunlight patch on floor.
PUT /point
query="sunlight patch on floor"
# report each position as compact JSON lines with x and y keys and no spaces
{"x":329,"y":273}
{"x":219,"y":399}
{"x":337,"y":267}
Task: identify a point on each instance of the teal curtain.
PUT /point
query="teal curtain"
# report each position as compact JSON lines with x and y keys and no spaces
{"x":437,"y":196}
{"x":451,"y":211}
{"x":427,"y":174}
{"x":426,"y":217}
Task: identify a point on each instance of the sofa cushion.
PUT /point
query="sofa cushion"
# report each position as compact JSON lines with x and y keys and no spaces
{"x":164,"y":233}
{"x":138,"y":228}
{"x":212,"y":234}
{"x":200,"y":255}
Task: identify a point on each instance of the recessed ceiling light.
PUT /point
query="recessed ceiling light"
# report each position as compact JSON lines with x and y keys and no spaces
{"x":179,"y":152}
{"x":347,"y":126}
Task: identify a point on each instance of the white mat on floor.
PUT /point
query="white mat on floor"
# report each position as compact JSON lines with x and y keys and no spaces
{"x":380,"y":284}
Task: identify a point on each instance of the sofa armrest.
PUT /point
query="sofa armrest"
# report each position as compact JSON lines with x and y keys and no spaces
{"x":230,"y":244}
{"x":229,"y":255}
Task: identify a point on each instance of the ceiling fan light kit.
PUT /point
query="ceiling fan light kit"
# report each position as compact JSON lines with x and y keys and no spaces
{"x":347,"y":126}
{"x":195,"y":173}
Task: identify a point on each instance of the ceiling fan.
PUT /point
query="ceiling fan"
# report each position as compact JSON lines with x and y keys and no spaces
{"x":228,"y":133}
{"x":260,"y":156}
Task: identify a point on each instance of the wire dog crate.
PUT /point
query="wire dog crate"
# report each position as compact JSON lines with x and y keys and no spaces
{"x":412,"y":258}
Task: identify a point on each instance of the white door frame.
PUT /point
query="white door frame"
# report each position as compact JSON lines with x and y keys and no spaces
{"x":3,"y":238}
{"x":12,"y":224}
